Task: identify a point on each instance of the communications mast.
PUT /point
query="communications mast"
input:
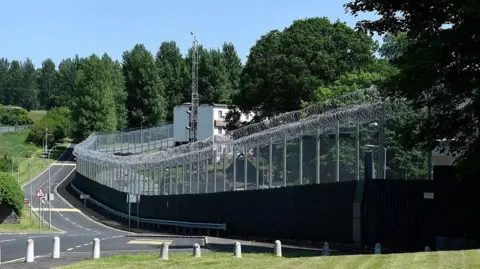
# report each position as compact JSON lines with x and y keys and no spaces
{"x":195,"y":101}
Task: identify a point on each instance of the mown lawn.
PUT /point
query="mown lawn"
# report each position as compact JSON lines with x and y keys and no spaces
{"x":441,"y":259}
{"x":37,"y":115}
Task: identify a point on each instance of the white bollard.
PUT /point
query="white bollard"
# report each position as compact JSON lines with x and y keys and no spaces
{"x":56,"y":248}
{"x":378,"y":248}
{"x":30,"y":251}
{"x":238,"y":250}
{"x":96,"y":248}
{"x":427,"y":248}
{"x":196,"y":251}
{"x":326,"y":249}
{"x":278,"y":248}
{"x":164,"y":251}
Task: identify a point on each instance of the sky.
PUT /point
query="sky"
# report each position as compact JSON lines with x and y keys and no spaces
{"x":59,"y":29}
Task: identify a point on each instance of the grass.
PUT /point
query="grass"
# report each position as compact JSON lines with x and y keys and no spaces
{"x":441,"y":259}
{"x":37,"y":115}
{"x":26,"y":224}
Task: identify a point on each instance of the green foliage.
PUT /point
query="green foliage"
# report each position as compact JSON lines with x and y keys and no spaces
{"x":286,"y":68}
{"x":437,"y":60}
{"x":47,"y":83}
{"x":6,"y":162}
{"x":11,"y":193}
{"x":93,"y":104}
{"x":11,"y":116}
{"x":145,"y":99}
{"x":174,"y":73}
{"x":58,"y":123}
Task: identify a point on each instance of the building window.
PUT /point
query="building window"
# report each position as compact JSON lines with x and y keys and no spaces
{"x":220,"y":114}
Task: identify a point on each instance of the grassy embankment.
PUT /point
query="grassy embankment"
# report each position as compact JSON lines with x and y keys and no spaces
{"x":440,"y":259}
{"x":14,"y":145}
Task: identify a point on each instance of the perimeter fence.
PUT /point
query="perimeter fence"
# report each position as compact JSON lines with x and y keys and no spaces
{"x":325,"y":142}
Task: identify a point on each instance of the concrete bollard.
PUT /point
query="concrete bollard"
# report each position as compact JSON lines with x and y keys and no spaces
{"x":30,"y":251}
{"x":378,"y":248}
{"x":164,"y":251}
{"x":278,"y":248}
{"x":326,"y":249}
{"x":96,"y":248}
{"x":427,"y":248}
{"x":196,"y":251}
{"x":238,"y":250}
{"x":56,"y":248}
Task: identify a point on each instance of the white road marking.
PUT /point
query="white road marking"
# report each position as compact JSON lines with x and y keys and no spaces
{"x":69,"y":249}
{"x":8,"y":240}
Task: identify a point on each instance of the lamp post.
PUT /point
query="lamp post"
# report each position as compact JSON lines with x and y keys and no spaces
{"x":49,"y":192}
{"x":29,"y":175}
{"x":384,"y":171}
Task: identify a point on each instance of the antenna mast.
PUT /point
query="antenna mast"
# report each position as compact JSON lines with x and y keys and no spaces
{"x":195,"y":99}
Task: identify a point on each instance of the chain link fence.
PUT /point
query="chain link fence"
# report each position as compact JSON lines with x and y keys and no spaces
{"x":13,"y":129}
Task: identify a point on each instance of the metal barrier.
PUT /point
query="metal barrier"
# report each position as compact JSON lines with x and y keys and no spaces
{"x":211,"y":226}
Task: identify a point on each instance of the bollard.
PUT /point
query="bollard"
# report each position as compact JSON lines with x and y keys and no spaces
{"x":196,"y":251}
{"x":56,"y":248}
{"x":427,"y":248}
{"x":278,"y":248}
{"x":238,"y":250}
{"x":164,"y":251}
{"x":378,"y":248}
{"x":96,"y":248}
{"x":30,"y":251}
{"x":326,"y":249}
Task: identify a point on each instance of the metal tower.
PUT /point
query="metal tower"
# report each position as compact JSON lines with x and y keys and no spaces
{"x":195,"y":100}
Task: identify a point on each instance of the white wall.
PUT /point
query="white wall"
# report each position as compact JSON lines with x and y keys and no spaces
{"x":180,"y":121}
{"x":205,"y":122}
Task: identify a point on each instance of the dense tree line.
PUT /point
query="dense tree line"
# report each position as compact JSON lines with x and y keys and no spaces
{"x":107,"y":95}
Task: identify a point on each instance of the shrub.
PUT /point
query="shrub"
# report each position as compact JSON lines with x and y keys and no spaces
{"x":11,"y":116}
{"x":6,"y":163}
{"x":57,"y":121}
{"x":11,"y":193}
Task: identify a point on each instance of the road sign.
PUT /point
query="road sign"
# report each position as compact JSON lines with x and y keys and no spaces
{"x":40,"y":193}
{"x":133,"y":198}
{"x":50,"y":197}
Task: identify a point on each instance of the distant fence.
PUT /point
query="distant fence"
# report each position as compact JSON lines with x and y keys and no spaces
{"x":13,"y":129}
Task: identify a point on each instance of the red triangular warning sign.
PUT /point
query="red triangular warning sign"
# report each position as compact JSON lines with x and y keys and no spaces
{"x":40,"y":193}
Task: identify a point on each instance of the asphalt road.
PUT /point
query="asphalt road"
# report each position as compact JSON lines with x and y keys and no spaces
{"x":79,"y":230}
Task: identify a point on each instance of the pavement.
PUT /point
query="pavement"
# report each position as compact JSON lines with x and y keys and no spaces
{"x":78,"y":230}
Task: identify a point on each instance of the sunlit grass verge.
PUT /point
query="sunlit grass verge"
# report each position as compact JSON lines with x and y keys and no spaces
{"x":26,"y":224}
{"x":441,"y":259}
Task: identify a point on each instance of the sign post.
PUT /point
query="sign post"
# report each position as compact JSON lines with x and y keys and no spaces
{"x":40,"y":195}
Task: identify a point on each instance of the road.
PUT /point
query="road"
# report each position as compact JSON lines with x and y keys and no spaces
{"x":79,"y":230}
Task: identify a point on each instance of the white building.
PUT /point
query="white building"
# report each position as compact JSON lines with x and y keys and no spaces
{"x":211,"y":121}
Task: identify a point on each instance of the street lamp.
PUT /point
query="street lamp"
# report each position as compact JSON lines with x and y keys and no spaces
{"x":30,"y":177}
{"x":49,"y":192}
{"x":384,"y":172}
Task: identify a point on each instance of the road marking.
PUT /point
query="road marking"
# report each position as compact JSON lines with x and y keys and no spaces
{"x":148,"y":242}
{"x":8,"y":240}
{"x":69,"y":249}
{"x":58,"y":209}
{"x":64,"y":164}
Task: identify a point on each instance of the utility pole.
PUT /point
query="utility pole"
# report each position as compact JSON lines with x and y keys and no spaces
{"x":195,"y":100}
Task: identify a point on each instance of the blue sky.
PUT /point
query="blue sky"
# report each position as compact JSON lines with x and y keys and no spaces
{"x":59,"y":29}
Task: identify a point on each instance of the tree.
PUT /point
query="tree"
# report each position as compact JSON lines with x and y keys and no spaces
{"x":145,"y":100}
{"x":175,"y":75}
{"x":28,"y":95}
{"x":11,"y":193}
{"x":119,"y":91}
{"x":4,"y":66}
{"x":438,"y":70}
{"x":233,"y":65}
{"x":58,"y":122}
{"x":47,"y":87}
{"x":67,"y":70}
{"x":286,"y":68}
{"x":14,"y":83}
{"x":93,"y":104}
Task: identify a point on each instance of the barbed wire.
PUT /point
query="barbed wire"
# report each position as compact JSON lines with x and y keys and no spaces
{"x":312,"y":120}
